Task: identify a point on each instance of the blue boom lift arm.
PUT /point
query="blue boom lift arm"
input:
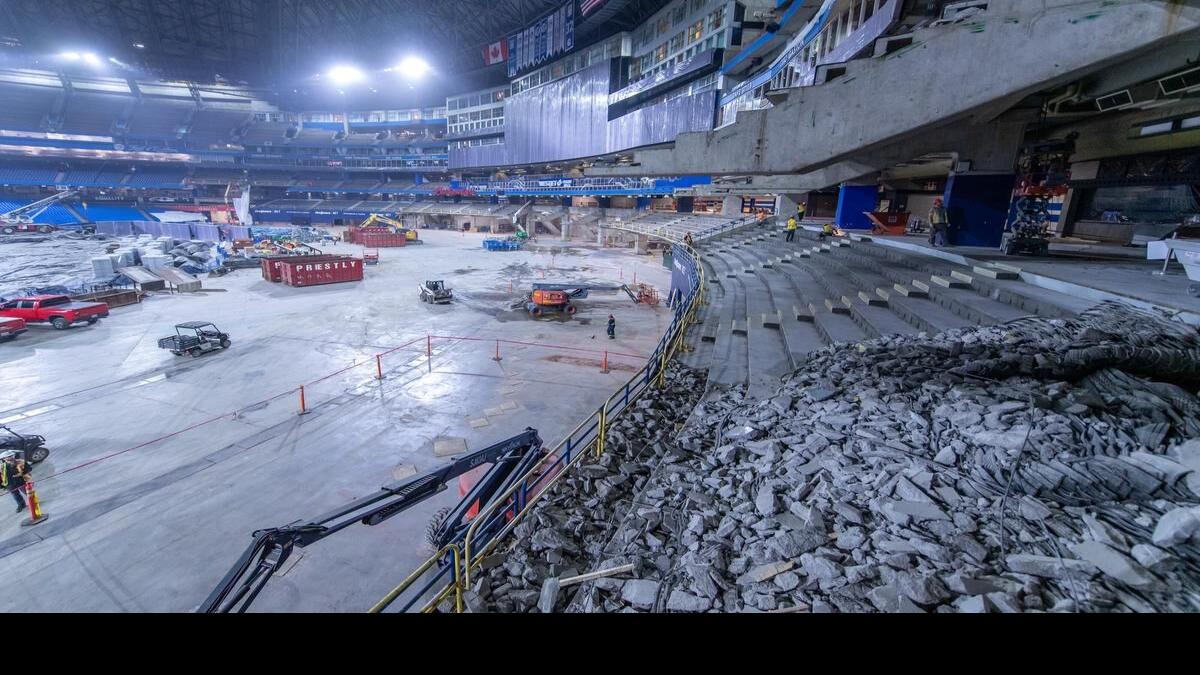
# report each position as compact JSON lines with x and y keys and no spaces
{"x":511,"y":459}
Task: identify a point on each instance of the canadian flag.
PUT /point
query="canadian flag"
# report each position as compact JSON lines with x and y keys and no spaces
{"x":497,"y":52}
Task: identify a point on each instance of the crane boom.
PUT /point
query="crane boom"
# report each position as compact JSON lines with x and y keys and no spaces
{"x":270,"y":548}
{"x":37,"y":207}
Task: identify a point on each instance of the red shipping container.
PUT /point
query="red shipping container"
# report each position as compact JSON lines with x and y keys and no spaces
{"x":354,"y":233}
{"x":272,"y":266}
{"x":304,"y":271}
{"x":388,"y":240}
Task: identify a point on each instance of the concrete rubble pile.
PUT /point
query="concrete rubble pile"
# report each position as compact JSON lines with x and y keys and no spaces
{"x":1040,"y":465}
{"x":566,"y":532}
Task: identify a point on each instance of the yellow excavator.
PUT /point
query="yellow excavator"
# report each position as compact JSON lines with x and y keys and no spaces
{"x":377,"y":220}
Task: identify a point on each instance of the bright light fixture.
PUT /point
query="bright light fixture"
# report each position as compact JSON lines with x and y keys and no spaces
{"x":91,"y":59}
{"x":413,"y":68}
{"x":70,"y":56}
{"x":343,"y":75}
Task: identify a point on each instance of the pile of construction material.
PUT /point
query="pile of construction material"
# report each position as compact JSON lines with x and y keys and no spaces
{"x":1041,"y":465}
{"x":566,"y":534}
{"x":192,"y":257}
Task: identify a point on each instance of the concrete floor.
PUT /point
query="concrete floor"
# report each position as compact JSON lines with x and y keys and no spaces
{"x":155,"y":528}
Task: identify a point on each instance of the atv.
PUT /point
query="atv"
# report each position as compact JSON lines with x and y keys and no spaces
{"x":31,"y":448}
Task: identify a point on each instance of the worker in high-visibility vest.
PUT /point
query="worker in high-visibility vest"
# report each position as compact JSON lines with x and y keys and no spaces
{"x":791,"y":228}
{"x":13,"y":472}
{"x":939,"y":223}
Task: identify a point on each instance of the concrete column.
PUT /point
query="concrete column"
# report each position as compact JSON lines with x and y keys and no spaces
{"x":785,"y":204}
{"x":684,"y":204}
{"x":599,"y":234}
{"x":732,"y":206}
{"x":853,"y":201}
{"x":977,"y":205}
{"x":640,"y":241}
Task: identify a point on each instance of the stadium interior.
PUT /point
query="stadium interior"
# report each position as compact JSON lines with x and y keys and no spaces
{"x":604,"y":305}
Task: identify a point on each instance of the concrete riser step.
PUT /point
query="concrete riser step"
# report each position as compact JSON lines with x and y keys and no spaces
{"x":994,"y":273}
{"x":931,"y":290}
{"x":982,"y":285}
{"x":978,"y":284}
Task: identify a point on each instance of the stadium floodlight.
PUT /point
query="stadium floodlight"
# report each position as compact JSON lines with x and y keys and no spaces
{"x":70,"y":56}
{"x":91,"y":59}
{"x":344,"y":75}
{"x":413,"y":67}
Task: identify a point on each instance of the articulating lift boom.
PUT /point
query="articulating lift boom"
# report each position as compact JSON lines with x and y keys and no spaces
{"x":511,"y":459}
{"x":400,"y":228}
{"x":557,"y":297}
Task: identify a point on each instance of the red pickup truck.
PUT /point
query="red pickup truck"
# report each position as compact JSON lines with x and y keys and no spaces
{"x":59,"y":310}
{"x":11,"y":328}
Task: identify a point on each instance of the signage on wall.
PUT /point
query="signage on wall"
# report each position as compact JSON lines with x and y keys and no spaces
{"x":547,"y":38}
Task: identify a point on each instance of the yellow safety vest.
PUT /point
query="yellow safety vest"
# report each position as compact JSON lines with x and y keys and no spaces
{"x":791,"y":224}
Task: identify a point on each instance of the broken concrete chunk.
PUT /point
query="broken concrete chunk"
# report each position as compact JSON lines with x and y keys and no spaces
{"x":901,"y":511}
{"x":787,"y":581}
{"x":946,"y":457}
{"x":765,"y":572}
{"x":1177,"y":526}
{"x":818,"y":394}
{"x":966,"y":585}
{"x":765,"y":502}
{"x":549,"y":595}
{"x":1113,"y":563}
{"x":744,"y":433}
{"x":1050,"y":567}
{"x":848,"y":512}
{"x":641,"y":593}
{"x":1150,"y":556}
{"x":681,"y":601}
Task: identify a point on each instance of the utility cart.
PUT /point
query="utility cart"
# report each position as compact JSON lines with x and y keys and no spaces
{"x":195,"y":338}
{"x":435,"y":293}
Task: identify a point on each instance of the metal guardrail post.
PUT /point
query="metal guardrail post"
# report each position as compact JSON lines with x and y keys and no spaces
{"x":600,"y":431}
{"x":392,"y":595}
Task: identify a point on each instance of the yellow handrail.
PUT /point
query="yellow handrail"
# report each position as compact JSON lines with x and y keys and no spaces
{"x":408,"y":581}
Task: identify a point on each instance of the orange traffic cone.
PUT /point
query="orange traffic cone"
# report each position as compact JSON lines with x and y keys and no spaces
{"x":35,"y":507}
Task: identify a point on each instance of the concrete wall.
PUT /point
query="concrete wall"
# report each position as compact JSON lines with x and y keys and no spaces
{"x":1109,"y":136}
{"x":1027,"y":45}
